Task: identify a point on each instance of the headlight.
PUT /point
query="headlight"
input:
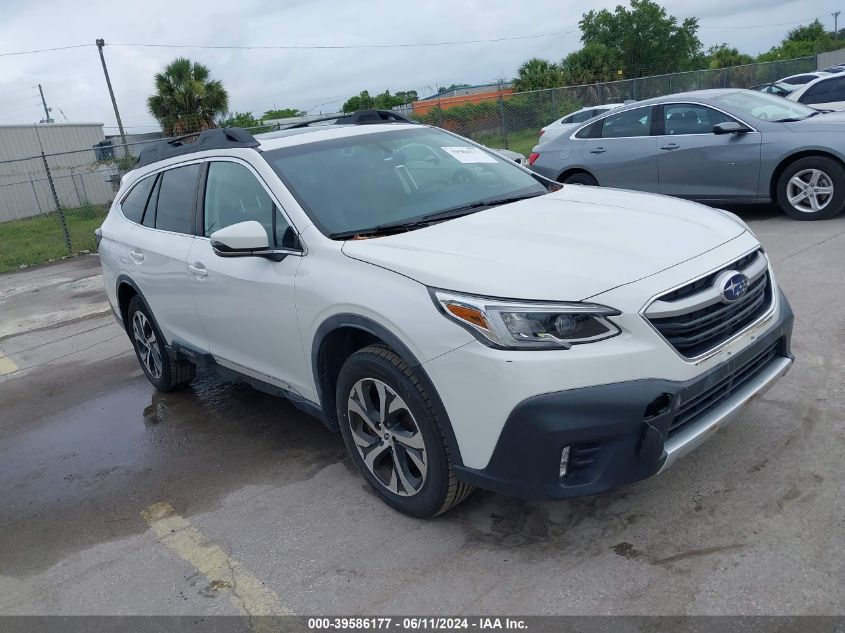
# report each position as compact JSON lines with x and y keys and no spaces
{"x":527,"y":325}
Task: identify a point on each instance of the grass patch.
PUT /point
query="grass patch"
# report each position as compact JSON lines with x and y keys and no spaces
{"x":522,"y":141}
{"x":39,"y":239}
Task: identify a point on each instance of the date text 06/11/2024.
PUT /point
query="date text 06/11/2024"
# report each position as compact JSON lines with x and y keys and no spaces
{"x":415,"y":623}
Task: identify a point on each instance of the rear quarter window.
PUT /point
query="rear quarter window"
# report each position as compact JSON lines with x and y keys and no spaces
{"x":136,"y":200}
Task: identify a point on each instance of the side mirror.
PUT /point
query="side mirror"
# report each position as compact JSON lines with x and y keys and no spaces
{"x":730,"y":127}
{"x":239,"y":240}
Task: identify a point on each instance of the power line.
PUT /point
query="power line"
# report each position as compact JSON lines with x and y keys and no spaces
{"x":344,"y":46}
{"x":45,"y":50}
{"x":364,"y":46}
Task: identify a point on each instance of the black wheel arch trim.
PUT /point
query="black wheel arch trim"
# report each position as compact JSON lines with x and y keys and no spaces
{"x":125,"y":279}
{"x":365,"y":324}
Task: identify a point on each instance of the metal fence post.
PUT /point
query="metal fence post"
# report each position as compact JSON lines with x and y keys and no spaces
{"x":502,"y":117}
{"x":35,"y":195}
{"x":59,"y":211}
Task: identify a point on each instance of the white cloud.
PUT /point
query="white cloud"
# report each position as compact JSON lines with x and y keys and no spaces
{"x":258,"y":80}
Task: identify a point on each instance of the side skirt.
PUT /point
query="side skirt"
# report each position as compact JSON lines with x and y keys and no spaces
{"x":210,"y":364}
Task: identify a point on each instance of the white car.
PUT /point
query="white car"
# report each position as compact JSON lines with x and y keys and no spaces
{"x":460,"y":321}
{"x":824,"y":93}
{"x":570,"y":121}
{"x":803,"y":78}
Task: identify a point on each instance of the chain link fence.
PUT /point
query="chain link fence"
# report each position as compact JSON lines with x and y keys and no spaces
{"x":513,"y":121}
{"x":50,"y":204}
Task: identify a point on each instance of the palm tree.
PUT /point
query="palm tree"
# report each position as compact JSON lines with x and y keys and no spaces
{"x":186,"y":99}
{"x":537,"y":74}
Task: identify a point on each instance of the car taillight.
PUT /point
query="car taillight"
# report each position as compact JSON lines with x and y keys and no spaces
{"x":534,"y":156}
{"x":542,"y":132}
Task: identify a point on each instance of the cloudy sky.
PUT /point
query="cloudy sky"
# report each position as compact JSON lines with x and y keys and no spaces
{"x":317,"y":80}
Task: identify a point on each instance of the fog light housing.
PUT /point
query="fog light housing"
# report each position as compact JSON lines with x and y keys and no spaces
{"x":564,"y":461}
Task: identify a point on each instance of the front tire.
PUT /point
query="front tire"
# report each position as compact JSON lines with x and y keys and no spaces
{"x":581,"y":178}
{"x":812,"y":188}
{"x":393,"y":434}
{"x":161,"y":368}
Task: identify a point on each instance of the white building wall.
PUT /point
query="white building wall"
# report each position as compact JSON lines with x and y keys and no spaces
{"x":77,"y":175}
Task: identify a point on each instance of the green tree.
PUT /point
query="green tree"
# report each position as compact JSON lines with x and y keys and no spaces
{"x":724,"y":56}
{"x":284,"y":113}
{"x":382,"y":101}
{"x":240,"y":119}
{"x":644,"y":38}
{"x":802,"y":41}
{"x":537,"y":74}
{"x":186,"y":99}
{"x":592,"y":64}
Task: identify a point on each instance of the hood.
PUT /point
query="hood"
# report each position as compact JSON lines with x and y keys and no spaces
{"x":563,"y":246}
{"x":824,"y":122}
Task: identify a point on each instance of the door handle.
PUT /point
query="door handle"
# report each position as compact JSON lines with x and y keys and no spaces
{"x":138,"y":256}
{"x":670,"y":146}
{"x":598,"y":150}
{"x":198,"y":269}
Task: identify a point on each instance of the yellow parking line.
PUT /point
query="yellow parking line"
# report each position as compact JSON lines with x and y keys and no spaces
{"x":248,"y":593}
{"x":6,"y":365}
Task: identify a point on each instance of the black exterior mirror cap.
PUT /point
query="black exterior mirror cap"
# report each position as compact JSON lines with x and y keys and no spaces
{"x":730,"y":127}
{"x":274,"y":254}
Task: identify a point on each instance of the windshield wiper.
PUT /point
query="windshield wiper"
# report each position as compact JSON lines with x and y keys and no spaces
{"x":795,"y":119}
{"x":431,"y":218}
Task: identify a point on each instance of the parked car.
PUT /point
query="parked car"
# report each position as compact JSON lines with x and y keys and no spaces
{"x":775,"y":88}
{"x":834,"y":69}
{"x":555,"y":128}
{"x":455,"y":321}
{"x":803,"y":78}
{"x":824,"y":93}
{"x":710,"y":145}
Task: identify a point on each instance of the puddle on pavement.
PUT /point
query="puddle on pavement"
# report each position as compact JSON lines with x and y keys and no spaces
{"x":79,"y":477}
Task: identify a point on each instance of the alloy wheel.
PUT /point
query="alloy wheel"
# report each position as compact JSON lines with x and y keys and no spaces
{"x":147,"y":344}
{"x":810,"y":190}
{"x":387,"y":437}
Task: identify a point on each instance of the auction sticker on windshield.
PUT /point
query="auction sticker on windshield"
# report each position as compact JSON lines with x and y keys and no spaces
{"x":469,"y":154}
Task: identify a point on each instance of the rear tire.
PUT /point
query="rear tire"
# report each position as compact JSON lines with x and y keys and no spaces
{"x":581,"y":178}
{"x":812,"y":188}
{"x":164,"y":371}
{"x":394,"y":436}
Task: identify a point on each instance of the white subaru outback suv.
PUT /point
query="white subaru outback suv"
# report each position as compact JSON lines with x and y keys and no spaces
{"x":461,"y":321}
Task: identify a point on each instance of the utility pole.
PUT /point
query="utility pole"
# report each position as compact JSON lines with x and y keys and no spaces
{"x":835,"y":15}
{"x":100,"y":43}
{"x":47,"y":118}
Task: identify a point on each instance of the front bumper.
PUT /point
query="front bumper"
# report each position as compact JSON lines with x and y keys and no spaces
{"x":626,"y":431}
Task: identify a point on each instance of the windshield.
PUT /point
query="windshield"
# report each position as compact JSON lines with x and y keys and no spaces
{"x":358,"y":183}
{"x":764,"y":106}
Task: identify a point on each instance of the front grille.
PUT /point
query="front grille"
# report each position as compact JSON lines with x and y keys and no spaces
{"x":703,"y":328}
{"x":700,"y":404}
{"x":705,"y":282}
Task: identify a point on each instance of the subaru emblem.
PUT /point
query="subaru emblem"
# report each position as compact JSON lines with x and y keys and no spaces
{"x":731,"y":285}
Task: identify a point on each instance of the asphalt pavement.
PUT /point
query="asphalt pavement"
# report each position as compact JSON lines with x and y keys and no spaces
{"x":218,"y":499}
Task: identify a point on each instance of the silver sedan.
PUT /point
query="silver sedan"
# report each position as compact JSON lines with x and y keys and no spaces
{"x":710,"y":145}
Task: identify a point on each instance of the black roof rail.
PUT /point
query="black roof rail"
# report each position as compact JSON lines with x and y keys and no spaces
{"x":361,"y":117}
{"x":216,"y":138}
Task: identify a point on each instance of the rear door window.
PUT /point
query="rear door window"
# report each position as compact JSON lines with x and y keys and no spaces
{"x":134,"y":203}
{"x":630,"y":123}
{"x":176,"y":207}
